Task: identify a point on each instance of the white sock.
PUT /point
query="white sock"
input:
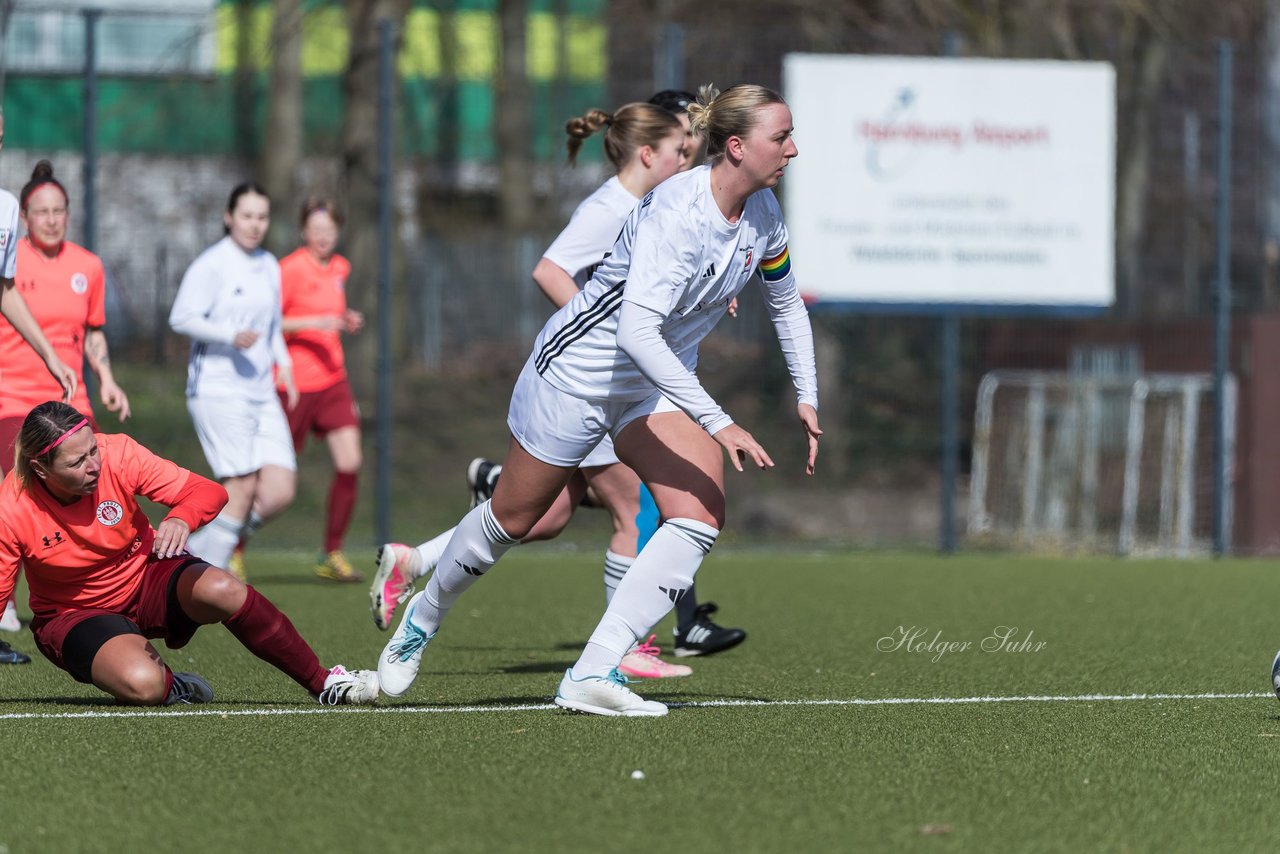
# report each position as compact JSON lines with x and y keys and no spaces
{"x":615,"y":566}
{"x":215,"y":542}
{"x":10,"y":622}
{"x":475,"y":546}
{"x":660,"y":576}
{"x":251,"y":526}
{"x":432,"y":550}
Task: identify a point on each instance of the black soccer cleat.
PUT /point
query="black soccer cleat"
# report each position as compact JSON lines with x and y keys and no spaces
{"x":188,"y":689}
{"x":9,"y":655}
{"x":482,"y":479}
{"x":704,"y":637}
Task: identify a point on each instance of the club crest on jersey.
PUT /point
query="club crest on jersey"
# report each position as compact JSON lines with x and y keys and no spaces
{"x":4,"y":237}
{"x":79,"y":283}
{"x":110,"y":513}
{"x":751,"y":253}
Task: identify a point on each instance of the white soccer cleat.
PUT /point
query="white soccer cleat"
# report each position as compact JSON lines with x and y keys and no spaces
{"x":401,"y":657}
{"x":9,"y":621}
{"x":605,"y":695}
{"x":344,"y":687}
{"x":399,"y":566}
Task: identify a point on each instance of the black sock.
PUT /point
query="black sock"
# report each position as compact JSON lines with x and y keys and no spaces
{"x":686,"y":608}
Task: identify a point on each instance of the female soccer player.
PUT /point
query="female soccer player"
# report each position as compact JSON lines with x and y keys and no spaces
{"x":695,"y":633}
{"x":677,"y":101}
{"x":103,"y":582}
{"x":645,"y":143}
{"x":64,"y":287}
{"x":313,"y":281}
{"x":229,"y":304}
{"x":618,"y":359}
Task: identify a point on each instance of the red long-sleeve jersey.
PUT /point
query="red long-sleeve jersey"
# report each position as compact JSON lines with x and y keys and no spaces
{"x":91,"y":553}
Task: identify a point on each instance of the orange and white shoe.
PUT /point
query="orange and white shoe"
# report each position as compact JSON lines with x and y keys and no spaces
{"x":399,"y":566}
{"x":642,"y":662}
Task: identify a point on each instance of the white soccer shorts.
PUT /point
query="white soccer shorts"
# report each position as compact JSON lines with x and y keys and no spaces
{"x":563,"y":430}
{"x":241,"y":436}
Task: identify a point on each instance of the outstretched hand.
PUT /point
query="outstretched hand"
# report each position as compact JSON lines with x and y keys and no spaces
{"x":809,"y":419}
{"x":741,"y":445}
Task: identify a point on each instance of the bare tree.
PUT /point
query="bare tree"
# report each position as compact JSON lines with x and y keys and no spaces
{"x":281,"y":156}
{"x":512,"y":124}
{"x":243,"y":92}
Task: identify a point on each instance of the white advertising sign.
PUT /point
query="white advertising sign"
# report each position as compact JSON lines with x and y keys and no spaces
{"x":952,"y":181}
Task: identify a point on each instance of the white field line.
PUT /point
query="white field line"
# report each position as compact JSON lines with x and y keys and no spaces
{"x":542,"y":707}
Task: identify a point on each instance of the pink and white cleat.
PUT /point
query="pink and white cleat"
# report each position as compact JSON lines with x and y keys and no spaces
{"x":642,"y":662}
{"x":399,"y":566}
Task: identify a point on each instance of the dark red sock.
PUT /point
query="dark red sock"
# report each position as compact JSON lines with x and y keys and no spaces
{"x":268,"y":634}
{"x":342,"y":502}
{"x":168,"y":684}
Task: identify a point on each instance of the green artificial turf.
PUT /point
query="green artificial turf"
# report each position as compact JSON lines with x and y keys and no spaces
{"x":451,"y":767}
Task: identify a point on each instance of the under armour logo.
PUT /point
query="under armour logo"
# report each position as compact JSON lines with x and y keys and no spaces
{"x":675,"y":595}
{"x":55,"y":540}
{"x":470,"y":570}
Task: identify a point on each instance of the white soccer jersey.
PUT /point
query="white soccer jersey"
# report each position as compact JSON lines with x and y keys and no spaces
{"x":227,"y":290}
{"x":679,"y":258}
{"x":592,"y":231}
{"x":8,"y":235}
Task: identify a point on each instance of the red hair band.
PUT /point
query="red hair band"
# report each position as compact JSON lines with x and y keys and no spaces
{"x":43,"y":182}
{"x":58,"y":441}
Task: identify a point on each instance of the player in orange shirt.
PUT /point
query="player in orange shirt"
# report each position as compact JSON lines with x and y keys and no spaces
{"x":63,"y":286}
{"x":313,"y":297}
{"x":103,"y":581}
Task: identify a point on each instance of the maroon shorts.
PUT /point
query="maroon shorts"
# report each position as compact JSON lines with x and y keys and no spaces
{"x":71,"y":639}
{"x":9,"y":429}
{"x":321,"y":412}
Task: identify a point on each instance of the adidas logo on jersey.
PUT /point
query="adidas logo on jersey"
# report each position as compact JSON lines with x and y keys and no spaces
{"x":674,"y":594}
{"x":711,"y":271}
